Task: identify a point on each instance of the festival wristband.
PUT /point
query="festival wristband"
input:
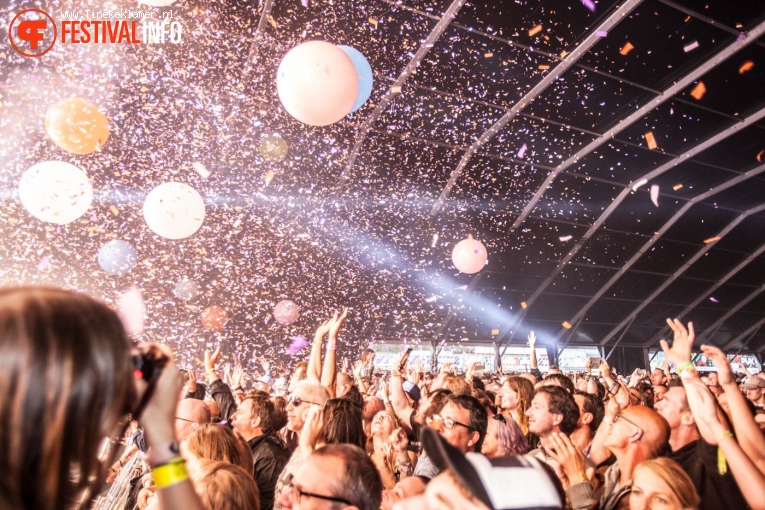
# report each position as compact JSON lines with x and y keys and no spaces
{"x":169,"y":473}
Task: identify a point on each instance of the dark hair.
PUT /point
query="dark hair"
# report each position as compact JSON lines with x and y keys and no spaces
{"x":479,"y":419}
{"x":222,"y":485}
{"x":593,"y":406}
{"x":343,"y":423}
{"x":263,"y":407}
{"x":354,"y":395}
{"x":560,"y":401}
{"x":279,"y":418}
{"x":562,"y":381}
{"x":478,"y":383}
{"x":67,"y":378}
{"x":359,"y":482}
{"x":437,"y":400}
{"x":646,"y":394}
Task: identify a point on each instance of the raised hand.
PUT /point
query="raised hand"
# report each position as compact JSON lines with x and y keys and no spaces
{"x":358,"y":369}
{"x":724,"y":372}
{"x":211,"y":358}
{"x":314,"y":422}
{"x":569,"y":458}
{"x":532,"y":339}
{"x":702,"y":404}
{"x":398,"y":440}
{"x":323,"y":329}
{"x":680,"y":352}
{"x":236,"y":376}
{"x":191,"y":384}
{"x":337,"y":323}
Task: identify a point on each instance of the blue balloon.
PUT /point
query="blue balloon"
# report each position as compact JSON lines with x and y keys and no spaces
{"x":364,"y":71}
{"x":117,"y":257}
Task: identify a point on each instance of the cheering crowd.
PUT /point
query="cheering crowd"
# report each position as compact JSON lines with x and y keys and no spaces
{"x":89,"y":420}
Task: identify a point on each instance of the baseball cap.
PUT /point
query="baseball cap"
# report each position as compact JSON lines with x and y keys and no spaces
{"x":412,"y":390}
{"x":754,"y":382}
{"x":505,"y":483}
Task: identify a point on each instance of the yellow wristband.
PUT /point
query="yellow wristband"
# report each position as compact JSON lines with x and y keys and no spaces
{"x":724,"y":434}
{"x":170,"y":473}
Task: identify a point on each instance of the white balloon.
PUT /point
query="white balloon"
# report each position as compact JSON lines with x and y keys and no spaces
{"x":174,"y":210}
{"x":469,"y":255}
{"x":55,"y":191}
{"x":157,"y":3}
{"x":286,"y":312}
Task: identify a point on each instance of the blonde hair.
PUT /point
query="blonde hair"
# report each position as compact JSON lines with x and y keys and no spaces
{"x":216,"y":442}
{"x":675,"y":477}
{"x":525,"y":391}
{"x":457,"y":385}
{"x":224,"y":486}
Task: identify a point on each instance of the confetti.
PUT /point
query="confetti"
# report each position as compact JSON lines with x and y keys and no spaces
{"x":435,"y":240}
{"x":566,"y":324}
{"x":626,"y":48}
{"x":523,"y":304}
{"x":544,"y":67}
{"x":521,"y":151}
{"x":691,"y":46}
{"x":699,"y":91}
{"x":298,"y":343}
{"x":655,"y":194}
{"x":495,"y":332}
{"x":43,"y":263}
{"x":200,"y":169}
{"x":488,"y":55}
{"x":601,"y":33}
{"x":746,"y":66}
{"x":712,"y":299}
{"x":759,"y":156}
{"x":564,"y":239}
{"x":114,"y":210}
{"x":637,"y":185}
{"x":131,"y":310}
{"x":534,"y":31}
{"x":677,"y":187}
{"x":711,"y":240}
{"x":396,"y":89}
{"x":373,"y":22}
{"x":650,"y":140}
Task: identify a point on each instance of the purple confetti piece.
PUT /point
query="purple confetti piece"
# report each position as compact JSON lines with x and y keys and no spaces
{"x":589,"y":4}
{"x":712,"y":299}
{"x":741,"y":36}
{"x":521,"y":151}
{"x":298,"y":343}
{"x":305,"y":3}
{"x":43,"y":263}
{"x":601,"y":33}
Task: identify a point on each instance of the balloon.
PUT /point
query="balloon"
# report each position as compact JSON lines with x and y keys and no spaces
{"x":131,"y":310}
{"x":174,"y":210}
{"x":469,"y":255}
{"x":55,"y":191}
{"x":157,"y":3}
{"x":273,"y":148}
{"x":364,"y":73}
{"x":317,"y":83}
{"x":77,"y":126}
{"x":286,"y":312}
{"x":214,"y":318}
{"x":117,"y":257}
{"x":186,"y":290}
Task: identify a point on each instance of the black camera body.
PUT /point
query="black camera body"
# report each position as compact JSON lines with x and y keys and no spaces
{"x":148,"y":362}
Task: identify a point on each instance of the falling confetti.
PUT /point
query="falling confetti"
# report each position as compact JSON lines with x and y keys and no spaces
{"x":524,"y":304}
{"x":132,"y":311}
{"x":677,"y":187}
{"x":601,"y":33}
{"x":712,"y":299}
{"x":534,"y":31}
{"x":298,"y":343}
{"x":200,"y":169}
{"x":650,"y":140}
{"x":564,"y":239}
{"x":655,"y":194}
{"x":698,"y":91}
{"x":637,"y":185}
{"x":691,"y":46}
{"x":746,"y":66}
{"x":589,"y":4}
{"x":521,"y":151}
{"x":711,"y":240}
{"x":626,"y":48}
{"x":566,"y":324}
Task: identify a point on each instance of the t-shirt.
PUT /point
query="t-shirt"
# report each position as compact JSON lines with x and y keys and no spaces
{"x":296,"y":460}
{"x":425,"y":467}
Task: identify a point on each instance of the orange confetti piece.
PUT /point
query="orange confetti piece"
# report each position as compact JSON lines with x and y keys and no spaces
{"x":566,"y":325}
{"x":650,"y":140}
{"x":523,"y":304}
{"x":373,"y":22}
{"x":270,"y":176}
{"x":746,"y":66}
{"x":495,"y":332}
{"x":395,"y":89}
{"x":488,"y":55}
{"x":699,"y":91}
{"x":544,"y":67}
{"x":711,"y":240}
{"x":563,"y":54}
{"x":759,"y":156}
{"x":534,"y":31}
{"x":677,"y":187}
{"x":626,"y":48}
{"x":114,"y":210}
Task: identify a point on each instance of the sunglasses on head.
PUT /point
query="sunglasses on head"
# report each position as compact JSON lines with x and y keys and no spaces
{"x":500,"y":418}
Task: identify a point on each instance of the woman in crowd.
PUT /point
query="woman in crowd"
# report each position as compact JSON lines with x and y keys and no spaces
{"x":661,"y":484}
{"x":66,"y":384}
{"x":387,"y":447}
{"x":216,"y":442}
{"x":504,"y":437}
{"x":516,"y":394}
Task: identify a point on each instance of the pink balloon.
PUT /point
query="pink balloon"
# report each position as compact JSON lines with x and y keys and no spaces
{"x":469,"y":255}
{"x":286,"y":312}
{"x":317,"y":83}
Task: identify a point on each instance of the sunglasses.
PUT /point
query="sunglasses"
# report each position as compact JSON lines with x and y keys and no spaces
{"x":499,"y":418}
{"x":296,"y":401}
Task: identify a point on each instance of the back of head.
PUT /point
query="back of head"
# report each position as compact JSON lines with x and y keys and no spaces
{"x":224,"y":486}
{"x":279,"y":420}
{"x":312,"y":391}
{"x":192,"y":412}
{"x":560,"y":380}
{"x":215,"y":442}
{"x":67,"y":379}
{"x":656,"y":430}
{"x":359,"y":481}
{"x":343,"y":423}
{"x":457,"y":385}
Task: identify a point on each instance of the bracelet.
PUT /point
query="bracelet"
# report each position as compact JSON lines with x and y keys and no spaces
{"x":170,"y":473}
{"x":685,"y":366}
{"x":611,"y":389}
{"x":210,"y":371}
{"x":724,"y":434}
{"x":583,"y":476}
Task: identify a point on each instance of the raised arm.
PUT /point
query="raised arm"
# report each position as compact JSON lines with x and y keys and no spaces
{"x":219,"y":390}
{"x":329,"y":371}
{"x":313,"y":373}
{"x":749,"y":479}
{"x":533,"y":351}
{"x":747,"y":431}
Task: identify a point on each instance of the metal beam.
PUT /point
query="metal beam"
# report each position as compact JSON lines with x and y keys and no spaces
{"x":684,"y":267}
{"x":709,"y":142}
{"x":753,"y":330}
{"x":741,"y":304}
{"x":713,"y":62}
{"x":647,"y":246}
{"x":530,"y":96}
{"x":395,"y":88}
{"x":620,"y":337}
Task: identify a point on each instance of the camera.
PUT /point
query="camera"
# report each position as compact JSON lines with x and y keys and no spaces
{"x":148,"y":362}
